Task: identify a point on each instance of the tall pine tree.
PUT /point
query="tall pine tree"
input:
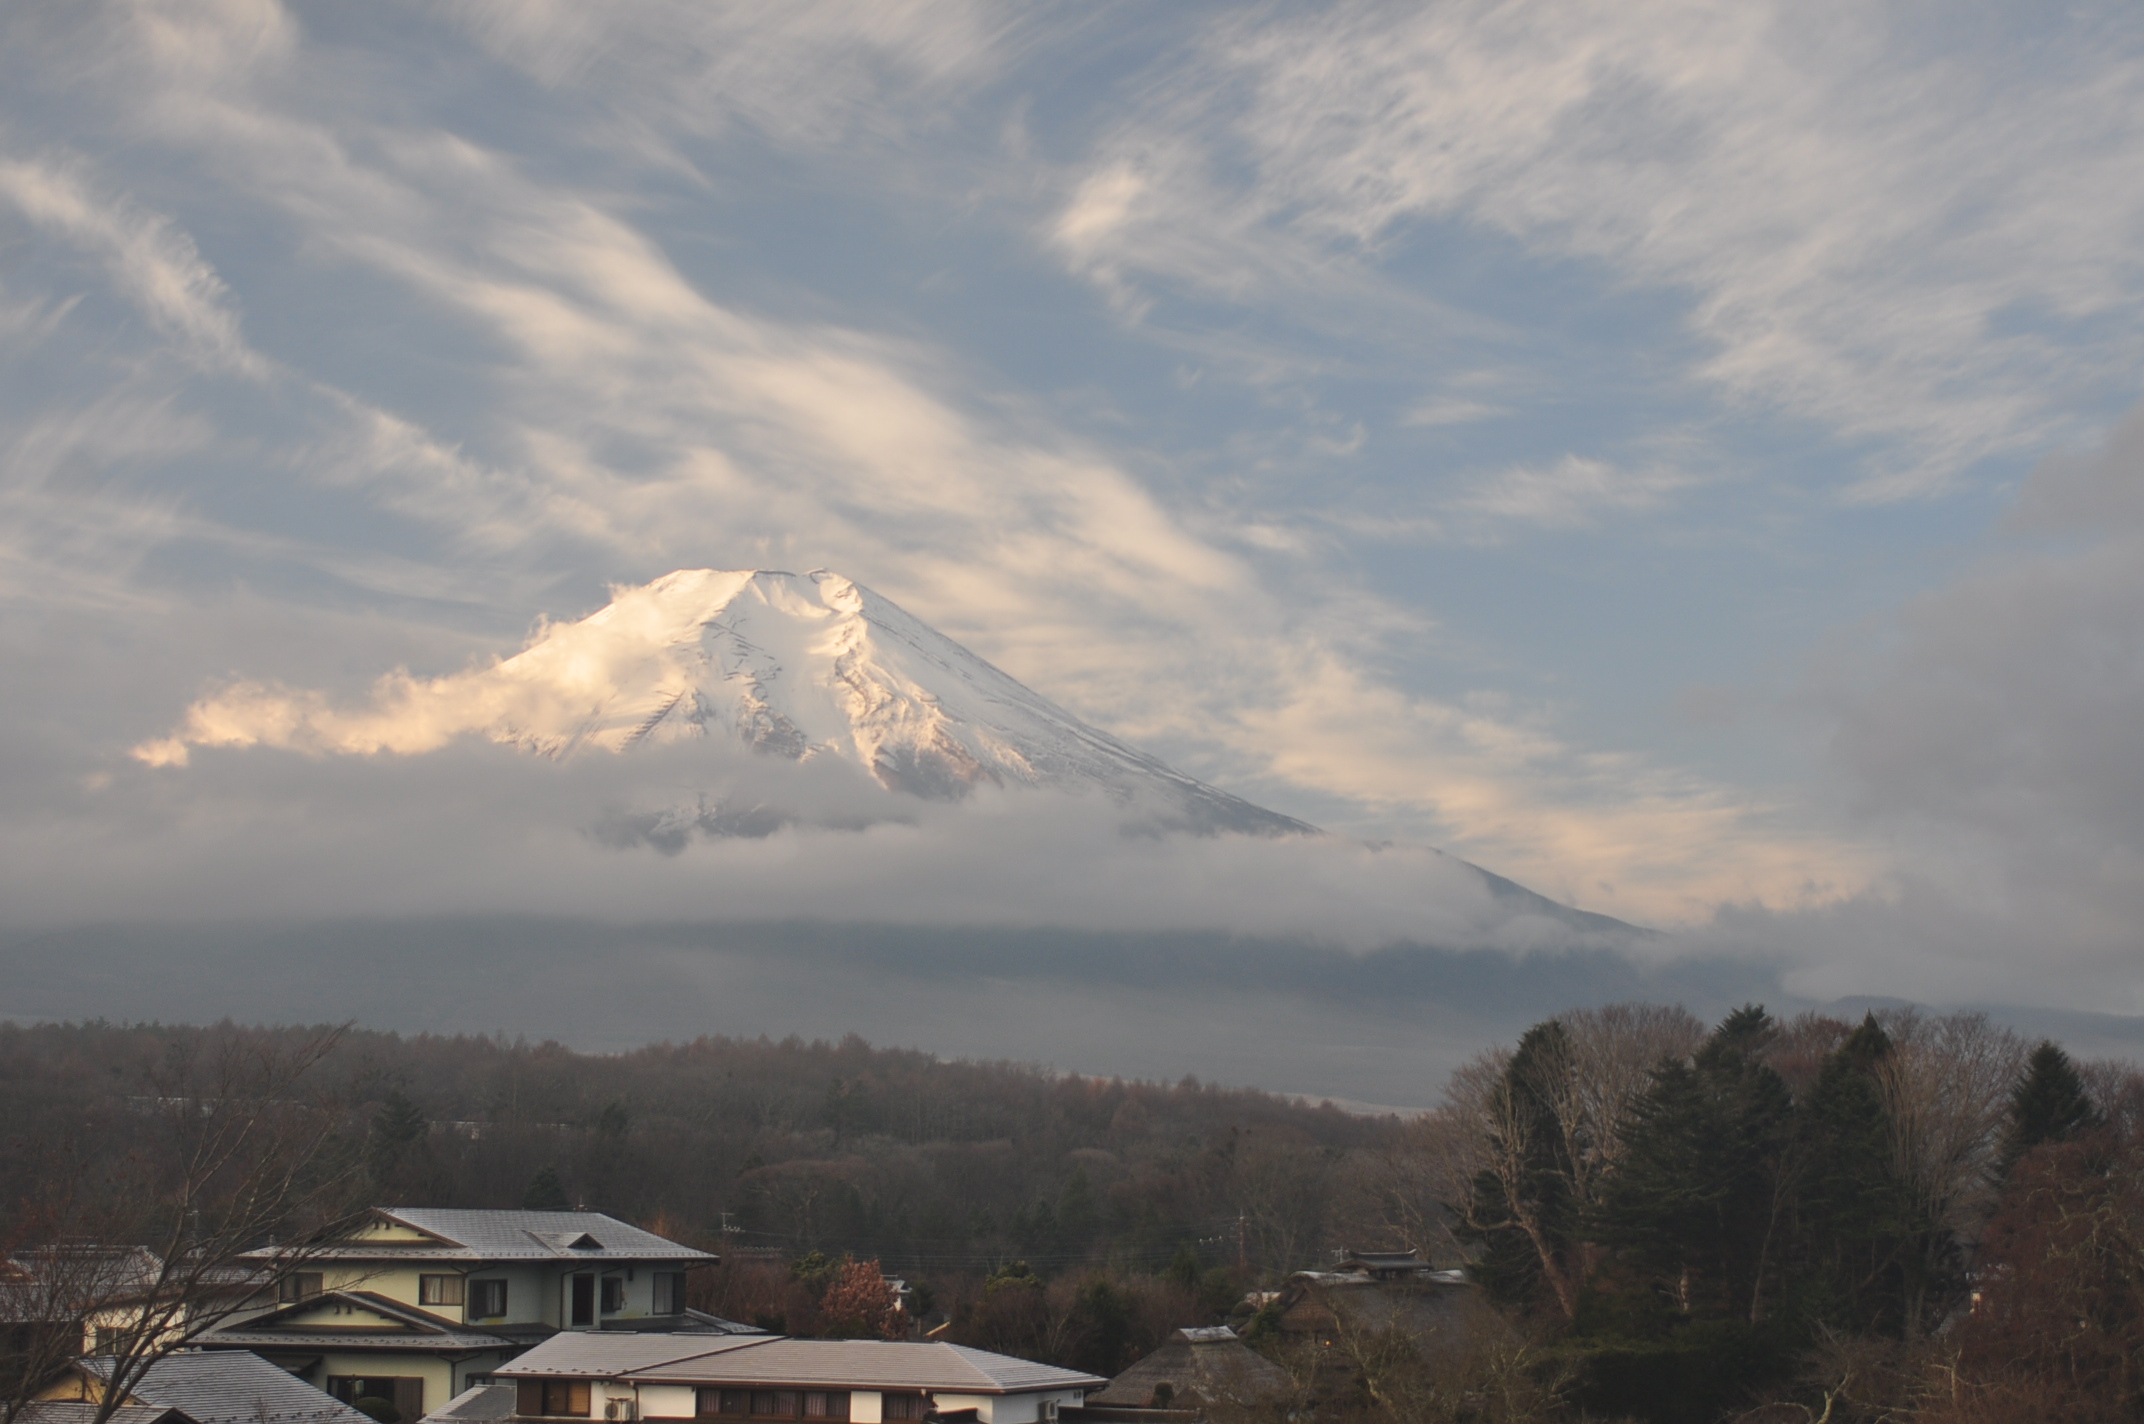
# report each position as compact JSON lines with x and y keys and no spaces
{"x":2049,"y":1104}
{"x":1698,"y":1200}
{"x":1855,"y":1213}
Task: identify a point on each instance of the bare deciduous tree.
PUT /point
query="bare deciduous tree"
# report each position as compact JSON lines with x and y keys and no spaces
{"x":1946,"y":1089}
{"x":1586,"y":1077}
{"x":1612,"y":1053}
{"x":1282,"y":1188}
{"x":235,"y":1142}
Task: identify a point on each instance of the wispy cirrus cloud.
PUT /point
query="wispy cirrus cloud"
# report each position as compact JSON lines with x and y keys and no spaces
{"x":592,"y":407}
{"x":1896,"y":233}
{"x":154,"y":264}
{"x":1569,"y":492}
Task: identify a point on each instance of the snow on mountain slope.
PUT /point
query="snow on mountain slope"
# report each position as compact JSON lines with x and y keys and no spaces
{"x":762,"y":700}
{"x":810,"y":665}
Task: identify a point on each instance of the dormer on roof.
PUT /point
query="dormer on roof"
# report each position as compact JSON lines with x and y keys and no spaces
{"x":568,"y":1240}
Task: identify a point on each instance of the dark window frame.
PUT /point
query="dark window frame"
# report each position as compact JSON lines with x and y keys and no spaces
{"x":301,"y":1286}
{"x":405,"y":1392}
{"x":728,"y":1402}
{"x":553,"y":1398}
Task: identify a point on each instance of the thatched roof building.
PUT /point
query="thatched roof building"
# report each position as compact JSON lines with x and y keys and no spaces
{"x":1202,"y":1366}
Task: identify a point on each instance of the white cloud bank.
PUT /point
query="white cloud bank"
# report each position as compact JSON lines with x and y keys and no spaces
{"x":1994,"y":745}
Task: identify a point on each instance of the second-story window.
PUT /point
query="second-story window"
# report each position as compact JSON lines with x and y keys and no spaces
{"x":302,"y":1285}
{"x":613,"y":1294}
{"x":440,"y":1290}
{"x":901,"y":1406}
{"x":487,"y":1300}
{"x":669,"y":1292}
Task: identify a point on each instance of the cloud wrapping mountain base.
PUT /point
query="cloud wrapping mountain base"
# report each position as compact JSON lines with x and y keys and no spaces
{"x":1382,"y":1027}
{"x":483,"y":829}
{"x":794,"y":742}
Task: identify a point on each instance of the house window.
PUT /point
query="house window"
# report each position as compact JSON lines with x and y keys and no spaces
{"x":613,"y":1294}
{"x":440,"y":1290}
{"x":487,"y":1299}
{"x":669,"y":1292}
{"x":823,"y":1406}
{"x":404,"y":1392}
{"x":553,"y":1398}
{"x":300,"y":1285}
{"x":901,"y":1406}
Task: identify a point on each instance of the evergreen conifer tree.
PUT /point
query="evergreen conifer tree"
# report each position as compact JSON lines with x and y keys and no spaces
{"x":395,"y":1135}
{"x":1854,"y":1211}
{"x":2049,"y":1104}
{"x":546,"y":1192}
{"x":1699,"y":1197}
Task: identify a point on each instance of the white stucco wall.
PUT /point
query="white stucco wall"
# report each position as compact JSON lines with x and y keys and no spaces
{"x":438,"y":1386}
{"x":668,"y":1401}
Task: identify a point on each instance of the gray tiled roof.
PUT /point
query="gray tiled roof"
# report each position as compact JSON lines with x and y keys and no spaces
{"x":231,"y":1387}
{"x":527,"y":1236}
{"x":478,"y":1404}
{"x":72,"y":1411}
{"x":877,"y":1364}
{"x":589,"y":1354}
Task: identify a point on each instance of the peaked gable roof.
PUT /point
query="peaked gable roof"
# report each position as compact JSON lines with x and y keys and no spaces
{"x":350,"y":1318}
{"x":1211,"y":1362}
{"x":230,"y":1387}
{"x":404,"y":1233}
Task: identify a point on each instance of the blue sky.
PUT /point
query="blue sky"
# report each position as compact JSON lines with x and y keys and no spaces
{"x":1584,"y":436}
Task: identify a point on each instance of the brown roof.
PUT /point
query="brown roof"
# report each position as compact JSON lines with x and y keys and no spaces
{"x":1212,"y":1364}
{"x":770,"y":1359}
{"x":1420,"y":1305}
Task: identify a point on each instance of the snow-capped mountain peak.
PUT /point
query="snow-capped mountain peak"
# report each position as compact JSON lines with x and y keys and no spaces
{"x":814,"y":665}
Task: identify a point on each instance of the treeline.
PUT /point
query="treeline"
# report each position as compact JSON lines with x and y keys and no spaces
{"x":936,"y":1168}
{"x":1906,"y":1218}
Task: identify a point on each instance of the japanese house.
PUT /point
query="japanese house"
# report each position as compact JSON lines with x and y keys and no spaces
{"x":414,"y":1304}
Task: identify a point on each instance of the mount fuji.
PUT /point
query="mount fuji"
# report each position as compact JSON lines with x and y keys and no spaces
{"x":762,"y":668}
{"x":808,"y":666}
